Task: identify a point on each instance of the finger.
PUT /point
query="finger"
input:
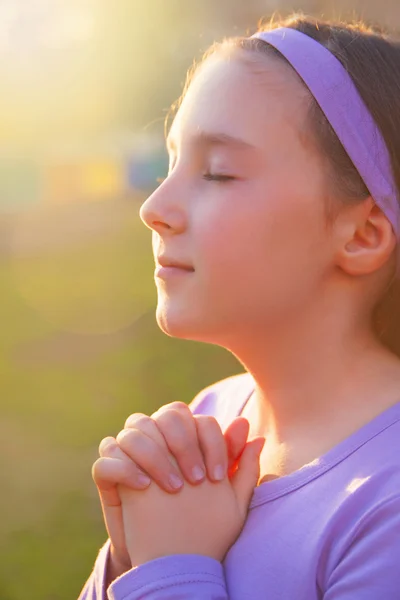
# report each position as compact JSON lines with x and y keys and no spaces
{"x":149,"y":426}
{"x":245,"y":479}
{"x":180,"y":406}
{"x":113,"y":520}
{"x":213,"y":446}
{"x":109,"y":472}
{"x":152,"y":459}
{"x":111,"y":506}
{"x":177,"y":425}
{"x":236,"y":435}
{"x":109,"y":448}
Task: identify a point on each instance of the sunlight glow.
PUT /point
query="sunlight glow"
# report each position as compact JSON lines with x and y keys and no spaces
{"x":356,"y":483}
{"x":51,"y":79}
{"x":27,"y":30}
{"x":313,"y":463}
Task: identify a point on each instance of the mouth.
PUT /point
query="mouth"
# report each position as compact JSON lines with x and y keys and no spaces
{"x":176,"y":266}
{"x":172,"y":270}
{"x":168,"y":267}
{"x":164,"y":264}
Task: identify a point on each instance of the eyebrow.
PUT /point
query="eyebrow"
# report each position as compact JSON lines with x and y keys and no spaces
{"x":206,"y":139}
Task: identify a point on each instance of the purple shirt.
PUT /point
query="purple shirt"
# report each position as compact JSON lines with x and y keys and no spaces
{"x":330,"y":530}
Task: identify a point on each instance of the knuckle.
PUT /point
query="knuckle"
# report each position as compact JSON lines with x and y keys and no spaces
{"x":106,"y":445}
{"x":146,"y":425}
{"x":138,"y":446}
{"x":179,"y":431}
{"x":180,"y":445}
{"x":127,"y":438}
{"x":97,"y":468}
{"x":135,"y":419}
{"x":178,"y":405}
{"x":177,"y":435}
{"x":174,"y":419}
{"x":184,"y":445}
{"x":207,"y":422}
{"x":170,"y":423}
{"x":211,"y":437}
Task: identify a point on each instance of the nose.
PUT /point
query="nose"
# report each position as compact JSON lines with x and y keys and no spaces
{"x":163,"y":212}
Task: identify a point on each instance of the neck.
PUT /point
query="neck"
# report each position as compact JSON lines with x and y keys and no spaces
{"x":310,"y":371}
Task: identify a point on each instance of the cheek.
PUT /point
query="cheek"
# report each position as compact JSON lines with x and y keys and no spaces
{"x":258,"y":247}
{"x":222,"y":243}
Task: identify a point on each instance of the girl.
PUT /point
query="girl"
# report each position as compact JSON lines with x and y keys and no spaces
{"x":275,"y":236}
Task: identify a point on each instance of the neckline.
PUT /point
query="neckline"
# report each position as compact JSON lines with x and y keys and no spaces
{"x":270,"y":490}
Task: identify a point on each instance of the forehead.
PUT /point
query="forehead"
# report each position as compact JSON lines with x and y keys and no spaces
{"x":256,"y":102}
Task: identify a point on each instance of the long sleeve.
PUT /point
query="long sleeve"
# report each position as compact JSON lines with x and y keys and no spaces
{"x":370,"y":568}
{"x":177,"y":577}
{"x":94,"y":588}
{"x":209,"y":579}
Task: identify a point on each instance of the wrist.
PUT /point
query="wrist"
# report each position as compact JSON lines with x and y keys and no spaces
{"x":116,"y":566}
{"x":139,"y":559}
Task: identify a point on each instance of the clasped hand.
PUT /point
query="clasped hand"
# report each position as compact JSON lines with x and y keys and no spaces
{"x":147,"y":513}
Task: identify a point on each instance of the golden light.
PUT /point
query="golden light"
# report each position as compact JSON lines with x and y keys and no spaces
{"x":48,"y":74}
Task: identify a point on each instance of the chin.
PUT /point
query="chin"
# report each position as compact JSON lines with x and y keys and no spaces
{"x":175,"y":323}
{"x":187,"y":326}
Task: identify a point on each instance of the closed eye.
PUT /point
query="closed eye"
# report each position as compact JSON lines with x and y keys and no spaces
{"x":208,"y":177}
{"x":218,"y":177}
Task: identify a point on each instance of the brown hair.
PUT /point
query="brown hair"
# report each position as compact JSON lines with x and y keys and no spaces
{"x":372,"y":59}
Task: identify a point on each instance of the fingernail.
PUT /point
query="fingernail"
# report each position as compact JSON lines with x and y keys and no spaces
{"x":143,"y":480}
{"x":219,"y":472}
{"x":198,"y":473}
{"x":175,"y":481}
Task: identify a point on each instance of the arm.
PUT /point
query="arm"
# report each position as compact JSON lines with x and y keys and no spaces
{"x":178,"y":543}
{"x":106,"y":570}
{"x":370,"y":567}
{"x":96,"y":586}
{"x":178,"y":577}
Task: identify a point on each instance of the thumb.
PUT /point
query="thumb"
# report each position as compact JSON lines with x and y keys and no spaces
{"x":236,"y":437}
{"x":246,"y":477}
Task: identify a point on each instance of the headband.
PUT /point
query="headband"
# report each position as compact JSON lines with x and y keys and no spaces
{"x":338,"y":98}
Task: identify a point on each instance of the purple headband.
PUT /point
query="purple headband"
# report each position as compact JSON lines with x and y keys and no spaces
{"x":337,"y":96}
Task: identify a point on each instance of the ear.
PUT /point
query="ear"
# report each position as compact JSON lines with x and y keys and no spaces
{"x":366,"y":239}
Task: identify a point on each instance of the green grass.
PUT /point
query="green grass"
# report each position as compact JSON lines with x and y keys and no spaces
{"x":79,"y":351}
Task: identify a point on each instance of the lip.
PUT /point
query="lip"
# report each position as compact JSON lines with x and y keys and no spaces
{"x":164,"y":261}
{"x":171,"y":271}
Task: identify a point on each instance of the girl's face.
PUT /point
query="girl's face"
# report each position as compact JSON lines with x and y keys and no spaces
{"x":242,"y":206}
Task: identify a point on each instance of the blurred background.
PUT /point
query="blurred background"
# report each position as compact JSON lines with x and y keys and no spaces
{"x":85,"y":86}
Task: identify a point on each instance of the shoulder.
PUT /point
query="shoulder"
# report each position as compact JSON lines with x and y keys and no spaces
{"x":368,"y":562}
{"x":380,"y":455}
{"x":225,"y":398}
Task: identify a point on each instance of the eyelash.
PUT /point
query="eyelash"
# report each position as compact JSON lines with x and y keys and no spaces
{"x":208,"y":177}
{"x":218,"y":178}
